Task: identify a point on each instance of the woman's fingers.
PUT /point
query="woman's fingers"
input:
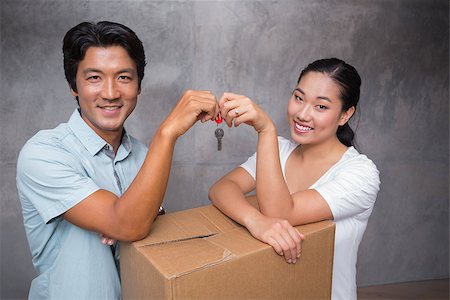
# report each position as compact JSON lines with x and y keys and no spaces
{"x":297,"y":237}
{"x":233,"y":106}
{"x":284,"y":238}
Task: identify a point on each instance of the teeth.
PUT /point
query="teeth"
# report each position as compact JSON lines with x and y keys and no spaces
{"x":302,"y":128}
{"x":110,"y":107}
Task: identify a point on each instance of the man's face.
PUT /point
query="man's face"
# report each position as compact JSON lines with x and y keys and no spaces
{"x":107,"y":89}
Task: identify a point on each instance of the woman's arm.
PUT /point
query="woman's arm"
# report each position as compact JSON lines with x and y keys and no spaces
{"x":228,"y":194}
{"x":272,"y":192}
{"x":274,"y":198}
{"x":299,"y":208}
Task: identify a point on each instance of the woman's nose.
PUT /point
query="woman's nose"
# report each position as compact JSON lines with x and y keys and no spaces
{"x":304,"y":113}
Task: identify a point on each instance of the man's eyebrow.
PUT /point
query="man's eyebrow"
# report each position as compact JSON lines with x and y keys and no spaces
{"x":92,"y":70}
{"x":319,"y":97}
{"x":127,"y":70}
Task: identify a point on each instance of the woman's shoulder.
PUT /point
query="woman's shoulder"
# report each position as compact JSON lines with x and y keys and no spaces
{"x":357,"y":161}
{"x":284,"y":142}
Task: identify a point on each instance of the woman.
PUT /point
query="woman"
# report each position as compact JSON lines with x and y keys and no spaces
{"x":317,"y":175}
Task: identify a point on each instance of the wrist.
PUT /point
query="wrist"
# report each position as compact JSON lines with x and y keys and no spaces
{"x":250,"y":219}
{"x":269,"y":129}
{"x":166,"y":132}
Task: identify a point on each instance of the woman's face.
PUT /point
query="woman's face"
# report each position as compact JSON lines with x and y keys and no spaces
{"x":315,"y":110}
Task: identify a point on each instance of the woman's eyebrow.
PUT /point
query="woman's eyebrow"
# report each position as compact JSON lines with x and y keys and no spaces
{"x":300,"y":90}
{"x":319,"y":97}
{"x":324,"y":98}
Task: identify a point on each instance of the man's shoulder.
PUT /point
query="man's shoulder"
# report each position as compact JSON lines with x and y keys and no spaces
{"x":48,"y":137}
{"x":48,"y":144}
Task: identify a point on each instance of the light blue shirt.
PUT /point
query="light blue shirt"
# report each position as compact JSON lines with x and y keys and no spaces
{"x":57,"y":169}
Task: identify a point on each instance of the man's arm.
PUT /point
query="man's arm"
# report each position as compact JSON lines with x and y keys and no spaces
{"x":130,"y":216}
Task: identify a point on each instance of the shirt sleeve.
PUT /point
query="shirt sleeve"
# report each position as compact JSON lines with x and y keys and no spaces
{"x":250,"y":166}
{"x":52,"y":179}
{"x":353,"y":188}
{"x":285,"y":148}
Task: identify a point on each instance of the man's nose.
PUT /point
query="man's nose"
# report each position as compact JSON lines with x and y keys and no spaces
{"x":110,"y":90}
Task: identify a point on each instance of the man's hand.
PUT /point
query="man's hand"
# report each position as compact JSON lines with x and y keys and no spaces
{"x":106,"y":240}
{"x":192,"y":106}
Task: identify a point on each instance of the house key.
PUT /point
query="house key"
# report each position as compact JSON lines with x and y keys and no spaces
{"x":219,"y":132}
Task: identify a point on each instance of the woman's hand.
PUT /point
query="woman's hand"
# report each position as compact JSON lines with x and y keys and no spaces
{"x":280,"y":234}
{"x":242,"y":109}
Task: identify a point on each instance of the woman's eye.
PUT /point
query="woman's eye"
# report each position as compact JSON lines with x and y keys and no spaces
{"x":322,"y":107}
{"x":298,"y":98}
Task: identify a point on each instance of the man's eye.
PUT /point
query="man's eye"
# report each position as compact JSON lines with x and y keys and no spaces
{"x":322,"y":107}
{"x":124,"y":77}
{"x":298,"y":98}
{"x":94,"y":77}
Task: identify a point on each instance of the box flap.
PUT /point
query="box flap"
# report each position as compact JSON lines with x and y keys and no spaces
{"x":176,"y":259}
{"x":238,"y":241}
{"x":197,"y":222}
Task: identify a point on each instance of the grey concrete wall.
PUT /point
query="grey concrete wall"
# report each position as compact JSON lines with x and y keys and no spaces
{"x":256,"y":48}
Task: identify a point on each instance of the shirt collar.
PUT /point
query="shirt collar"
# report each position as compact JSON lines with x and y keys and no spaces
{"x":87,"y":136}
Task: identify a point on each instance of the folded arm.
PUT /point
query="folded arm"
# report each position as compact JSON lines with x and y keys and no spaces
{"x":130,"y":216}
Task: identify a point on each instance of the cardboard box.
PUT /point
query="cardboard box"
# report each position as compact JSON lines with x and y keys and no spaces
{"x":202,"y":254}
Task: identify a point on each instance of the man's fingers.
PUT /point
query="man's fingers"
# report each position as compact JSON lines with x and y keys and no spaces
{"x":106,"y":240}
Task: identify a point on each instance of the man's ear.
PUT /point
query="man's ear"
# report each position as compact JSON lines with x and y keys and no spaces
{"x":346,"y":115}
{"x":75,"y":94}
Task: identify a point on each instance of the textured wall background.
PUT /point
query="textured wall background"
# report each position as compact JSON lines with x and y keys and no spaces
{"x":257,"y":48}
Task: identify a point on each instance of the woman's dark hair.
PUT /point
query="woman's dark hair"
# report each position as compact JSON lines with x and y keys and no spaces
{"x":349,"y":83}
{"x":103,"y":34}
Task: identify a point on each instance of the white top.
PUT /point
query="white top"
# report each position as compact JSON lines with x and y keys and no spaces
{"x":350,"y":188}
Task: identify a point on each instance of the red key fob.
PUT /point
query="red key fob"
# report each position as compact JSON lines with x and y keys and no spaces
{"x":218,"y":119}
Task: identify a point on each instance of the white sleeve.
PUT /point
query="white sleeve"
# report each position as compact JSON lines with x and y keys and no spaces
{"x":285,"y":148}
{"x":250,"y":166}
{"x":353,"y":188}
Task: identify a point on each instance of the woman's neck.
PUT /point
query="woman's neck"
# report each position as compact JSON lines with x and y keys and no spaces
{"x":329,"y":151}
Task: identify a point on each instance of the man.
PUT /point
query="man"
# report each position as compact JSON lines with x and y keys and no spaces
{"x":88,"y":176}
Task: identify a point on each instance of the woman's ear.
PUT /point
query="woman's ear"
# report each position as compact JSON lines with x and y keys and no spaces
{"x":346,"y":115}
